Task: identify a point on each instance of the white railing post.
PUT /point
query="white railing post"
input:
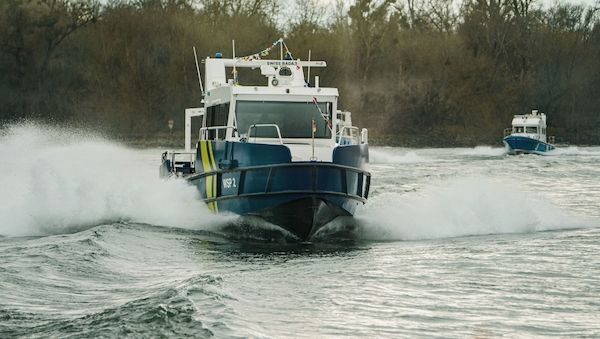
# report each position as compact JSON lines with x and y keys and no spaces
{"x":364,"y":136}
{"x":189,"y":114}
{"x":188,"y":130}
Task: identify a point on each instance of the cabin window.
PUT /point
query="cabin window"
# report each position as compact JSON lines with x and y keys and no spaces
{"x":532,"y":130}
{"x":293,"y":118}
{"x":543,"y":131}
{"x":519,"y":129}
{"x":217,"y":116}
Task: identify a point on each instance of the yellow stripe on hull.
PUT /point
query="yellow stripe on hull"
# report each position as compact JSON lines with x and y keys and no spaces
{"x":214,"y":177}
{"x":206,"y":166}
{"x":209,"y":165}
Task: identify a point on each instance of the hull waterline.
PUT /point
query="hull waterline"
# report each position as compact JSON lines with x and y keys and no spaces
{"x":524,"y":145}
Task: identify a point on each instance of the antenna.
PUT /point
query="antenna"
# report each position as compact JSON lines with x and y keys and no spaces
{"x":198,"y":70}
{"x":308,"y":82}
{"x":234,"y":69}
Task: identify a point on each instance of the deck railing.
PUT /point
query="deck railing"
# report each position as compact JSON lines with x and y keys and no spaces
{"x":357,"y":187}
{"x":353,"y":136}
{"x":204,"y":131}
{"x":256,"y":126}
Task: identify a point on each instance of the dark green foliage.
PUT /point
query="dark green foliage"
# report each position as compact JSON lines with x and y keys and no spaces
{"x":423,"y":71}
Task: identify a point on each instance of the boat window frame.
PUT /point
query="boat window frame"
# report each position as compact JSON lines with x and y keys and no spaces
{"x":329,"y":105}
{"x":210,"y":120}
{"x":528,"y":129}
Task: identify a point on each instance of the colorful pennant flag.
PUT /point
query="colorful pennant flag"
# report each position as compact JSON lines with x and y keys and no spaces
{"x":265,"y":52}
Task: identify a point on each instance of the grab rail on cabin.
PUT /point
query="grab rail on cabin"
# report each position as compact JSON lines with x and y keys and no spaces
{"x":354,"y":137}
{"x":254,"y":126}
{"x":204,"y":130}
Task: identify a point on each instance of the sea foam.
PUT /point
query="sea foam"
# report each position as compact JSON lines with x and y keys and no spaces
{"x":56,"y":180}
{"x":389,"y":156}
{"x":461,"y":207}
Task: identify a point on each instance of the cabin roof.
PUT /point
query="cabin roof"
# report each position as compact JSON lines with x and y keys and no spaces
{"x":278,"y":73}
{"x":270,"y":91}
{"x":537,"y":119}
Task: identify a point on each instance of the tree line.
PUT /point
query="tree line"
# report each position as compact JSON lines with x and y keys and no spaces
{"x":416,"y":72}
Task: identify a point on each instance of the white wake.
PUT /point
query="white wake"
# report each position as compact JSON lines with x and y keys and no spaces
{"x":56,"y":180}
{"x":462,"y":207}
{"x":380,"y":155}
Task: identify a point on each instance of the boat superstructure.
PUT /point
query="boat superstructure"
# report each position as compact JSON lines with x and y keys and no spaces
{"x":528,"y":134}
{"x":281,"y":151}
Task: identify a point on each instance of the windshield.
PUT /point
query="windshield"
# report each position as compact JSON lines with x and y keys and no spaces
{"x":293,"y":118}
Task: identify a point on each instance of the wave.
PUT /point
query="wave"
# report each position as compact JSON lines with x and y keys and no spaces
{"x":392,"y":156}
{"x":383,"y":155}
{"x":576,"y":150}
{"x":487,"y":151}
{"x":58,"y":180}
{"x":174,"y":308}
{"x":461,"y":207}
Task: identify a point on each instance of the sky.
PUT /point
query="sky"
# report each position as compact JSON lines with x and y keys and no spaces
{"x":543,"y":2}
{"x":575,"y":2}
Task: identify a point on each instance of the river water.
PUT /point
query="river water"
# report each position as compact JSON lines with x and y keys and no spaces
{"x":463,"y":242}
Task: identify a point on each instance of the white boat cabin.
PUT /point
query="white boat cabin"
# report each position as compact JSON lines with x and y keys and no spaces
{"x":530,"y":125}
{"x":285,"y":110}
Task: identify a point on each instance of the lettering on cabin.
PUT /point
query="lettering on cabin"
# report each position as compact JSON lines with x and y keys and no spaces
{"x":229,"y":182}
{"x":280,"y":63}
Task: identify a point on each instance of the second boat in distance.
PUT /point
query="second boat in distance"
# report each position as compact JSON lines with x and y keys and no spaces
{"x":528,"y":135}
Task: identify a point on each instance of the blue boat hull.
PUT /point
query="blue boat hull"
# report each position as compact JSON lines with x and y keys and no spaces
{"x":261,"y":180}
{"x":526,"y":145}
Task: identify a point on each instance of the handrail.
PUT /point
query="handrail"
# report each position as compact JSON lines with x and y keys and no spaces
{"x":265,"y":125}
{"x":361,"y":192}
{"x":538,"y":136}
{"x":288,"y":164}
{"x":213,"y":128}
{"x":362,"y":199}
{"x":340,"y":134}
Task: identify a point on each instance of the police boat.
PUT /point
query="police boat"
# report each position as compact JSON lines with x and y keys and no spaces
{"x":528,"y":135}
{"x":282,"y":151}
